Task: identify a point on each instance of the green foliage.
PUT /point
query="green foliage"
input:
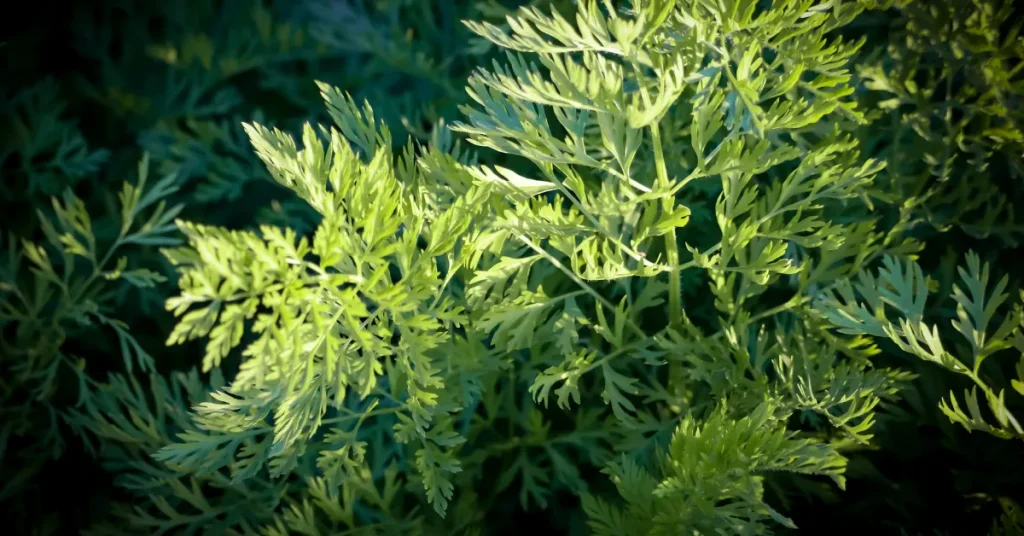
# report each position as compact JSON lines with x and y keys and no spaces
{"x":360,"y":313}
{"x":1010,"y":522}
{"x":711,"y":478}
{"x":946,"y":87}
{"x":44,"y":150}
{"x":904,"y":288}
{"x":663,"y":277}
{"x":334,"y":305}
{"x":57,"y":292}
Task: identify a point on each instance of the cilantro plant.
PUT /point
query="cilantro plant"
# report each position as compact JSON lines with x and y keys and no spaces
{"x":434,"y":290}
{"x":670,"y":270}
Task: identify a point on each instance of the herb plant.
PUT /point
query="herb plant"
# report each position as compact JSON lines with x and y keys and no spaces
{"x":669,"y":272}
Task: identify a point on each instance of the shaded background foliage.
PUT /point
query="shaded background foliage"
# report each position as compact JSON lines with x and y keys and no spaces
{"x":88,"y":88}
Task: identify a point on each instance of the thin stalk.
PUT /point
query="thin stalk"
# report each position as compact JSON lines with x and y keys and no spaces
{"x":675,"y":291}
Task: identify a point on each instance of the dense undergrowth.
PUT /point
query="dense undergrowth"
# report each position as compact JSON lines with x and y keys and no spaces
{"x":484,"y":266}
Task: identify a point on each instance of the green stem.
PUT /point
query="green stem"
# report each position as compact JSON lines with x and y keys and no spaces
{"x":675,"y":294}
{"x":354,"y":416}
{"x":675,"y":291}
{"x":76,"y":295}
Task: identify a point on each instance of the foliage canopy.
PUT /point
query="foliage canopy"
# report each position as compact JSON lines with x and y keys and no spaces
{"x":673,"y":268}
